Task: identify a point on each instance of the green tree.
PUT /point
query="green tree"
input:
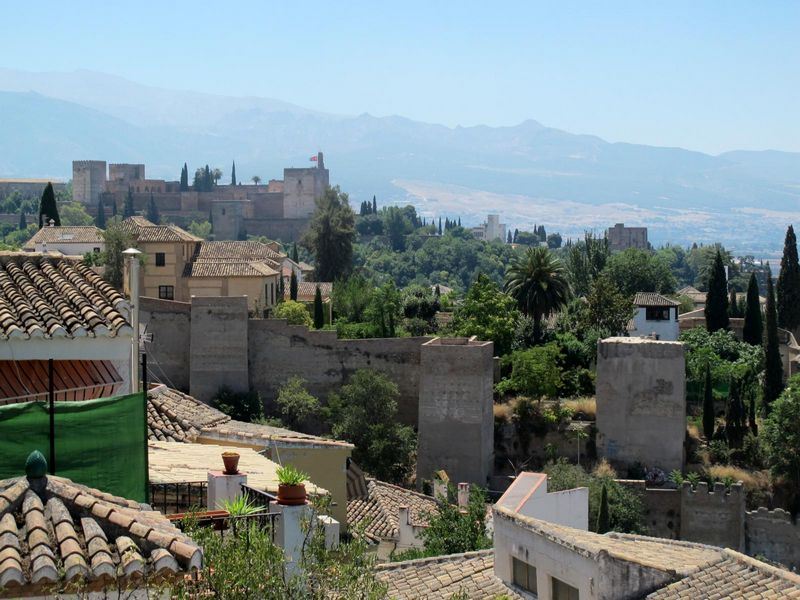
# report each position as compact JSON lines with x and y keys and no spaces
{"x":127,"y":208}
{"x":585,"y":260}
{"x":788,"y":288}
{"x":23,"y":222}
{"x":152,"y":210}
{"x":256,"y":180}
{"x":364,"y":412}
{"x":773,"y":364}
{"x":634,"y":270}
{"x":74,"y":213}
{"x":100,"y":220}
{"x":331,"y":234}
{"x":185,"y":178}
{"x":753,"y":331}
{"x":350,"y":298}
{"x":452,"y":530}
{"x":201,"y":229}
{"x":294,"y":312}
{"x":233,"y":173}
{"x":293,"y":287}
{"x":608,"y":310}
{"x":48,"y":210}
{"x":397,"y":227}
{"x":735,"y":416}
{"x":295,"y":256}
{"x":300,"y":410}
{"x":383,"y":310}
{"x":374,"y":205}
{"x":782,"y":435}
{"x":535,"y":372}
{"x":603,"y":516}
{"x":242,"y":406}
{"x":537,"y":281}
{"x":487,"y":313}
{"x":116,"y":242}
{"x":709,"y":414}
{"x":319,"y":313}
{"x":716,"y":309}
{"x":733,"y":306}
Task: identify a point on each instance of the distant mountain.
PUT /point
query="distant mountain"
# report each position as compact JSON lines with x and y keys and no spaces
{"x":49,"y":119}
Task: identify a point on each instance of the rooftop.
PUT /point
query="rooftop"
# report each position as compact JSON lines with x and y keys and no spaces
{"x":54,"y":532}
{"x":68,"y":234}
{"x":307,"y":290}
{"x":653,"y":299}
{"x":377,"y":513}
{"x":143,"y":230}
{"x":52,"y":296}
{"x":227,"y":268}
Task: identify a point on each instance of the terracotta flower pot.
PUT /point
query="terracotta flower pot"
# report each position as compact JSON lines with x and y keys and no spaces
{"x":231,"y":461}
{"x":291,"y":495}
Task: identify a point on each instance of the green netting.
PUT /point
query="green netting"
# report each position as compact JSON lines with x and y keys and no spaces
{"x":100,"y":443}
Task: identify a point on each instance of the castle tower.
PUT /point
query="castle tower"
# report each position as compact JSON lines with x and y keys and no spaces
{"x":301,"y":187}
{"x":88,"y":180}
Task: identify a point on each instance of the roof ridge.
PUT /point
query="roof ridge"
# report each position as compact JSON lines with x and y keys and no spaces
{"x":403,"y":564}
{"x":398,"y":487}
{"x":785,"y":574}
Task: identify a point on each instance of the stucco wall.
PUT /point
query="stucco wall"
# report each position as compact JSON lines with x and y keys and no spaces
{"x":771,"y":533}
{"x":168,"y":353}
{"x":641,"y":402}
{"x":713,"y":517}
{"x":666,"y":330}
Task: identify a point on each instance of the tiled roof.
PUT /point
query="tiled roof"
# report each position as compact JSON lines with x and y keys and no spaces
{"x":470,"y":574}
{"x":143,"y":230}
{"x":307,"y":290}
{"x":175,"y":416}
{"x":48,"y":295}
{"x":233,"y":259}
{"x":378,"y":512}
{"x":54,"y":532}
{"x":227,"y":269}
{"x":735,"y":576}
{"x":27,"y":380}
{"x":72,"y":234}
{"x":653,"y":299}
{"x":239,"y":250}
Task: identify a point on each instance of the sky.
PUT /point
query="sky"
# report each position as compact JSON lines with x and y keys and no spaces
{"x":708,"y":76}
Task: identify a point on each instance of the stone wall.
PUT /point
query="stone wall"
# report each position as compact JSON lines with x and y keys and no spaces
{"x":456,"y":431}
{"x":771,"y":533}
{"x":88,"y":180}
{"x":662,"y":508}
{"x":641,"y":402}
{"x":715,"y":516}
{"x":168,"y":354}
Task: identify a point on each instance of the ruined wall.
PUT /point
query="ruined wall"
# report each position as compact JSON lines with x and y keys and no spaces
{"x":456,"y":426}
{"x":771,"y":533}
{"x":662,"y":508}
{"x":641,"y":402}
{"x":713,"y":517}
{"x":279,"y":350}
{"x":218,"y":346}
{"x":168,"y":353}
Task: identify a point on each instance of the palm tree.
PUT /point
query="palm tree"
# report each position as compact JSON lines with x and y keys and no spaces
{"x":216,"y":175}
{"x":537,"y":280}
{"x":255,"y":179}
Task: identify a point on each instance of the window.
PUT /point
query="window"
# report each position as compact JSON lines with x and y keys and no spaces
{"x":166,"y":292}
{"x":524,"y":575}
{"x":161,"y":259}
{"x":96,"y":250}
{"x":657,"y":313}
{"x":562,"y":591}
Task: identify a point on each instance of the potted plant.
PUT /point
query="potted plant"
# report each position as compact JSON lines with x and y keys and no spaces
{"x":291,"y":490}
{"x":231,"y":461}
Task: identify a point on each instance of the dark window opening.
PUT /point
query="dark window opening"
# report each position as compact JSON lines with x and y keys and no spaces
{"x":166,"y":292}
{"x":161,"y":259}
{"x":563,"y":591}
{"x":524,"y":575}
{"x":657,"y":313}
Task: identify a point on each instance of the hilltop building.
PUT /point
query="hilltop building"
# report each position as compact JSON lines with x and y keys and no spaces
{"x":622,"y":238}
{"x":491,"y":229}
{"x":70,"y":240}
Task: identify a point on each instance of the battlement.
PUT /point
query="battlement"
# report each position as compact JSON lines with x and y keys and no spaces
{"x":719,"y":491}
{"x":86,"y":164}
{"x":624,"y":347}
{"x":778,"y":515}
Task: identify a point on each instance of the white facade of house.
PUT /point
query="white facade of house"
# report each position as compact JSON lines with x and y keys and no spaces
{"x":655,"y":316}
{"x":528,"y":496}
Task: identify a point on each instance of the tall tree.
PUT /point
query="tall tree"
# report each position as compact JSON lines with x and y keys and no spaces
{"x":509,"y":239}
{"x":537,"y":281}
{"x":716,"y":309}
{"x":374,"y":205}
{"x":293,"y":287}
{"x":100,"y":219}
{"x":773,"y":364}
{"x":48,"y":210}
{"x":281,"y":290}
{"x":185,"y":178}
{"x":127,"y":208}
{"x":113,"y":207}
{"x":116,"y":241}
{"x":331,"y":234}
{"x":440,"y":225}
{"x":788,"y":288}
{"x":782,"y":434}
{"x":295,"y":256}
{"x":233,"y":173}
{"x":603,"y":514}
{"x":256,"y":180}
{"x":23,"y":222}
{"x":516,"y":233}
{"x":753,"y":332}
{"x":152,"y":210}
{"x":735,"y":416}
{"x":733,"y":306}
{"x":709,"y":415}
{"x":319,"y":314}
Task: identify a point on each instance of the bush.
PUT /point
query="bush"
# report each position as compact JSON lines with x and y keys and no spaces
{"x":534,"y":372}
{"x":294,"y":312}
{"x":299,"y":409}
{"x":242,"y":406}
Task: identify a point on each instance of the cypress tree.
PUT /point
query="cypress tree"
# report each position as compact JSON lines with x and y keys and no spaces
{"x":709,"y":416}
{"x":23,"y":222}
{"x":716,"y":310}
{"x":152,"y":210}
{"x":603,"y":514}
{"x":459,"y":221}
{"x":293,"y":287}
{"x":437,"y":292}
{"x":208,"y":181}
{"x":752,"y":415}
{"x":113,"y":207}
{"x":788,"y":288}
{"x":773,"y":365}
{"x":734,"y":416}
{"x":127,"y":208}
{"x":185,"y":178}
{"x":319,"y":314}
{"x":295,"y":257}
{"x":753,"y":332}
{"x":281,"y":290}
{"x":233,"y":173}
{"x":374,"y":205}
{"x":508,"y":237}
{"x":516,"y":233}
{"x":440,"y":225}
{"x":733,"y":306}
{"x":47,"y":207}
{"x":100,"y":219}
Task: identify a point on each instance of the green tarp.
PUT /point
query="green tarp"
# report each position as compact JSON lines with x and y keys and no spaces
{"x":100,"y":443}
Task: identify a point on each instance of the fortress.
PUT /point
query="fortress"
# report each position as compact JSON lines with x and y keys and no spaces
{"x":280,"y":209}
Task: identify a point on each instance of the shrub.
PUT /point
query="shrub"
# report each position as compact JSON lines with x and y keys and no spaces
{"x":299,"y":409}
{"x":534,"y":372}
{"x":294,"y":312}
{"x":583,"y":408}
{"x":242,"y":406}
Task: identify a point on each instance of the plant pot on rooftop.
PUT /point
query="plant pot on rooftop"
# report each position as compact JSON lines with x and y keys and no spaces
{"x":291,"y":489}
{"x":231,"y":462}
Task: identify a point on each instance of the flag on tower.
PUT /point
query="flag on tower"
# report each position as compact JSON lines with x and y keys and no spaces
{"x":313,"y":158}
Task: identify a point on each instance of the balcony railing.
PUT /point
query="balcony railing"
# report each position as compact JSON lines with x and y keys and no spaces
{"x":171,"y":498}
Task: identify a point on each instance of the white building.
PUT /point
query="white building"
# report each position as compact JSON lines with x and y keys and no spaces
{"x":491,"y":230}
{"x":528,"y":496}
{"x":656,"y":315}
{"x":70,"y":240}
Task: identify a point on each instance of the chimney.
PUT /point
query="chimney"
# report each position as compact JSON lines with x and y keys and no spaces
{"x":463,"y":495}
{"x":404,"y":528}
{"x":52,"y":222}
{"x":440,"y":489}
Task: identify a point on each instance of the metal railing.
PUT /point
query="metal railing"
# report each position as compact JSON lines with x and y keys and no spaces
{"x":172,"y":498}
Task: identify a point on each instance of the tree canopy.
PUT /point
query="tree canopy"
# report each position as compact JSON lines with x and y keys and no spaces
{"x":788,"y":287}
{"x":331,"y":234}
{"x":48,"y":210}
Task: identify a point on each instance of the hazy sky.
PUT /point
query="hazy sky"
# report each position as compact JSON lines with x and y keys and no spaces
{"x":710,"y":76}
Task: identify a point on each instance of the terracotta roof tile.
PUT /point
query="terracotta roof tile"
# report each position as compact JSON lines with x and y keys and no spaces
{"x":74,"y":234}
{"x":52,"y":537}
{"x":653,"y":299}
{"x":307,"y":290}
{"x":378,"y":513}
{"x":142,"y":230}
{"x":49,"y":295}
{"x":228,"y":268}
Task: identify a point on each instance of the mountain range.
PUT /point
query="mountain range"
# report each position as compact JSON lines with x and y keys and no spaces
{"x":528,"y":172}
